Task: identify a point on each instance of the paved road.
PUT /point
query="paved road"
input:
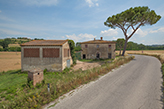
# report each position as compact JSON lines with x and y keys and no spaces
{"x":136,"y":85}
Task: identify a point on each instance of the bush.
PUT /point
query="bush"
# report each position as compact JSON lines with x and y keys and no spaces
{"x":29,"y":82}
{"x":66,"y":70}
{"x":14,"y":48}
{"x":45,"y":71}
{"x":163,"y":69}
{"x":1,"y":49}
{"x":72,"y":48}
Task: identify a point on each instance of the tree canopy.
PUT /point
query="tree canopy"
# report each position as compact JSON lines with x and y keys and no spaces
{"x":132,"y":18}
{"x":4,"y":43}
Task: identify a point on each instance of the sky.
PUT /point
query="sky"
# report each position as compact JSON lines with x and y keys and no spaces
{"x":79,"y":20}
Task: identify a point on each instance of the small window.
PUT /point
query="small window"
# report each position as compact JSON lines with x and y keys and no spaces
{"x":97,"y":46}
{"x":109,"y":46}
{"x":86,"y":46}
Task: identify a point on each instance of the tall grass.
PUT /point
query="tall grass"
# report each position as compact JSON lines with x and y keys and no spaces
{"x":23,"y":95}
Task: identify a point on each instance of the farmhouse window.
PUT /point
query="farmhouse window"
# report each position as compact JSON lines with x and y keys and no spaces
{"x":86,"y":46}
{"x":97,"y":46}
{"x":50,"y":52}
{"x":31,"y":52}
{"x":109,"y":46}
{"x":66,"y":52}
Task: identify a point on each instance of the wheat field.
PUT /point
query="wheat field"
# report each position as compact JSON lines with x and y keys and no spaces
{"x":148,"y":52}
{"x":10,"y":61}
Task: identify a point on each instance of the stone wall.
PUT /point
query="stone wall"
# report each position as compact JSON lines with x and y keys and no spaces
{"x":36,"y":76}
{"x":66,"y":56}
{"x":91,"y":51}
{"x":50,"y":63}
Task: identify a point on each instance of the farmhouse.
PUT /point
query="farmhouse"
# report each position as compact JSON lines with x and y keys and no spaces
{"x":53,"y":55}
{"x":96,"y":49}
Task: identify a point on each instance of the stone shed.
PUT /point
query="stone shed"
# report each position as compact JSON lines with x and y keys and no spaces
{"x":96,"y":49}
{"x":53,"y":55}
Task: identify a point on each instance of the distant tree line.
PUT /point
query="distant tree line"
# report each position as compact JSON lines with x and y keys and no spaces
{"x":4,"y":43}
{"x":134,"y":46}
{"x":130,"y":46}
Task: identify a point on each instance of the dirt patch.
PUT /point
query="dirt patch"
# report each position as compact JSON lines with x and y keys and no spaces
{"x":85,"y":65}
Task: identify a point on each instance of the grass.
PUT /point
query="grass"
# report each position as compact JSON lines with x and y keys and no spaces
{"x":15,"y":92}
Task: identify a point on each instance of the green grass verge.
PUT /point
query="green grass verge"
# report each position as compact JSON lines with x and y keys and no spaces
{"x":17,"y":93}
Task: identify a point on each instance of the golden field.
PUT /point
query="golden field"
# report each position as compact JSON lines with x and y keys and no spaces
{"x":10,"y":61}
{"x":159,"y":53}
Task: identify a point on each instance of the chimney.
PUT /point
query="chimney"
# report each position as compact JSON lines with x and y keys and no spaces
{"x":101,"y":38}
{"x":94,"y":38}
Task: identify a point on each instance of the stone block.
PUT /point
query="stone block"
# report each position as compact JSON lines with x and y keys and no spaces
{"x":35,"y":75}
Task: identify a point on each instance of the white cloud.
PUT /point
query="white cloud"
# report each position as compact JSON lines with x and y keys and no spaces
{"x":114,"y":38}
{"x":41,"y":2}
{"x":138,"y":33}
{"x":141,"y":33}
{"x":92,"y":3}
{"x":0,"y":11}
{"x":110,"y":32}
{"x":97,"y":4}
{"x":73,"y":37}
{"x":159,"y":30}
{"x":81,"y":37}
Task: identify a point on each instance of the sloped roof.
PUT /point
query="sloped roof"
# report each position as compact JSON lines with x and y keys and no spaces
{"x":97,"y":42}
{"x":44,"y":43}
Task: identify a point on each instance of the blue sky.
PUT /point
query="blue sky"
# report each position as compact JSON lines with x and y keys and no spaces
{"x":80,"y":20}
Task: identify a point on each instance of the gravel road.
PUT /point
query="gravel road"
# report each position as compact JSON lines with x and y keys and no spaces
{"x":136,"y":85}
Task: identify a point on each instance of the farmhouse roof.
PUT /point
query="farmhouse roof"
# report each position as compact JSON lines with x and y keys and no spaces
{"x":101,"y":41}
{"x":44,"y":43}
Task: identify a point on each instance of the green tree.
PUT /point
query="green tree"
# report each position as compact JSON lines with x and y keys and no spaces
{"x":120,"y":44}
{"x":72,"y":47}
{"x":132,"y":18}
{"x":78,"y":46}
{"x":5,"y":43}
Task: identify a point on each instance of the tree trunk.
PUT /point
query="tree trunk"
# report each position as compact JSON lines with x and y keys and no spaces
{"x":126,"y":40}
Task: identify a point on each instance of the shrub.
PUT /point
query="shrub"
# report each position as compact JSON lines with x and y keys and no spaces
{"x":72,"y":48}
{"x":14,"y":48}
{"x":45,"y":71}
{"x":1,"y":49}
{"x":66,"y":70}
{"x":29,"y":82}
{"x":162,"y":70}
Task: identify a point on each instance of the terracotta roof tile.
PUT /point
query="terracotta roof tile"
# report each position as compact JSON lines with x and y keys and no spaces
{"x":44,"y":43}
{"x":97,"y":42}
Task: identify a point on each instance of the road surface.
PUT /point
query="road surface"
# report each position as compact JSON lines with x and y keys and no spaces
{"x":136,"y":85}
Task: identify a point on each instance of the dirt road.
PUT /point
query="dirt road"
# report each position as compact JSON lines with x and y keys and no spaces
{"x":136,"y":85}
